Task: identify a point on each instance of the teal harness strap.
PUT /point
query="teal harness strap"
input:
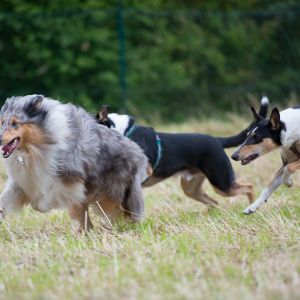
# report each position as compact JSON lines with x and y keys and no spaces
{"x":159,"y":151}
{"x":130,"y":131}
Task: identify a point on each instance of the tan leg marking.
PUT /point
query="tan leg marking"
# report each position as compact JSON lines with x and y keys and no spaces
{"x":149,"y":170}
{"x":239,"y":189}
{"x":111,"y":208}
{"x":80,"y":213}
{"x":294,"y":166}
{"x":192,"y":187}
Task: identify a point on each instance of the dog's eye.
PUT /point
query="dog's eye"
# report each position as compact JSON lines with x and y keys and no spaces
{"x":14,"y":124}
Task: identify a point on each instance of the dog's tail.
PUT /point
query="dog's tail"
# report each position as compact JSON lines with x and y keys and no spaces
{"x":133,"y":203}
{"x":238,"y":139}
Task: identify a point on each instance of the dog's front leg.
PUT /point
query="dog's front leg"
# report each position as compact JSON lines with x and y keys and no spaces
{"x":286,"y":177}
{"x":12,"y":199}
{"x":267,"y":192}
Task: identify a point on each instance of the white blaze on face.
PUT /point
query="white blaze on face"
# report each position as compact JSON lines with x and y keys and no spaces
{"x":251,"y":132}
{"x":121,"y":122}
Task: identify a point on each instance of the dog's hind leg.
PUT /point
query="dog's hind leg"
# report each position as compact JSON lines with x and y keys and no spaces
{"x":238,"y":189}
{"x":80,"y":213}
{"x":133,"y":203}
{"x":191,"y":184}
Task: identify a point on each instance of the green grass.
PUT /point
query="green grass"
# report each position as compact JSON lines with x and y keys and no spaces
{"x":183,"y":250}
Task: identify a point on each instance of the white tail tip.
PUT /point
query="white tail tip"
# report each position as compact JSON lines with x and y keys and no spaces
{"x":264,"y":100}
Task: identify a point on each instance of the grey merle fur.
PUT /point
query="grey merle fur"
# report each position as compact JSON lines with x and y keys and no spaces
{"x":105,"y":163}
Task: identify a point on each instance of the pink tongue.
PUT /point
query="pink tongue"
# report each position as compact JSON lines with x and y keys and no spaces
{"x":7,"y":148}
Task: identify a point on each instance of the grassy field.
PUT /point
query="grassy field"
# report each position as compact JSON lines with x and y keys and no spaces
{"x":182,"y":250}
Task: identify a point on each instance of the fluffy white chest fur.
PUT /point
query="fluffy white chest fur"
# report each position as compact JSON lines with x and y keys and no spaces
{"x":38,"y":181}
{"x":291,"y":118}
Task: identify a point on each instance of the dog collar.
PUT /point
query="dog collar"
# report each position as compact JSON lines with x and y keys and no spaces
{"x":130,"y":131}
{"x":159,"y":151}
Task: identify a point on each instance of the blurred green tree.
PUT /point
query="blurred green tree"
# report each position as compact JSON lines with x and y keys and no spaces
{"x":181,"y":56}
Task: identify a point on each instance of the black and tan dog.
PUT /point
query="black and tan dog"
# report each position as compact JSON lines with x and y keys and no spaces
{"x":193,"y":156}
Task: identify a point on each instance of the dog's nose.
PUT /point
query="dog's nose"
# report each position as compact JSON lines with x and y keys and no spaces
{"x":235,"y":156}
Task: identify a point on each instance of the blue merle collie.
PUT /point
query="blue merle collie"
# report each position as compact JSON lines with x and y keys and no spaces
{"x":193,"y":156}
{"x":57,"y":156}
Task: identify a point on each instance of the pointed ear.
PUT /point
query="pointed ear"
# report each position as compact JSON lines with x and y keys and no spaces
{"x":34,"y":107}
{"x":36,"y":101}
{"x":256,"y":117}
{"x":103,"y":113}
{"x":275,"y":119}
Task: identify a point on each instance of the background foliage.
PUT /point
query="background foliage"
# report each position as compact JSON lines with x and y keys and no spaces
{"x":180,"y":56}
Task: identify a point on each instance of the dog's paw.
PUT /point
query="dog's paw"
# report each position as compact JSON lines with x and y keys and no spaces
{"x":249,"y":210}
{"x":289,"y":182}
{"x":81,"y":231}
{"x":286,"y":178}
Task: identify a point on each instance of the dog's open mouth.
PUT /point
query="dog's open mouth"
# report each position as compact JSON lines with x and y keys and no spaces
{"x":10,"y":147}
{"x":250,"y":158}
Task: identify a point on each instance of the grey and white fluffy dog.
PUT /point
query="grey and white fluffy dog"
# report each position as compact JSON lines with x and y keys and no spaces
{"x":57,"y":156}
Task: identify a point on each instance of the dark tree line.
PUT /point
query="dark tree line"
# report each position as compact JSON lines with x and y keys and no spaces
{"x":180,"y":56}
